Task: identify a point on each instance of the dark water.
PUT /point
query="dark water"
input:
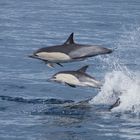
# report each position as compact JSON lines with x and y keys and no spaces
{"x":32,"y":108}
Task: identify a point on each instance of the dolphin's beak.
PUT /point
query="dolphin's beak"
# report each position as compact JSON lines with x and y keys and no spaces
{"x":50,"y":79}
{"x":32,"y":56}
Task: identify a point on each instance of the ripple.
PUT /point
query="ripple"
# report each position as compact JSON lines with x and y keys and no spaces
{"x":35,"y":101}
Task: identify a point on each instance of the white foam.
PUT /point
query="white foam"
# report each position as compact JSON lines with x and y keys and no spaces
{"x":119,"y":85}
{"x":121,"y":82}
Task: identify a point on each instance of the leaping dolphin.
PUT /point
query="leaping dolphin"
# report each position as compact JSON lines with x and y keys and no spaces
{"x":76,"y":78}
{"x":67,"y":52}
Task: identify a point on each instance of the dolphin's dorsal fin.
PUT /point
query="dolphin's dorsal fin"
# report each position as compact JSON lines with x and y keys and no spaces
{"x":70,"y":39}
{"x":83,"y":69}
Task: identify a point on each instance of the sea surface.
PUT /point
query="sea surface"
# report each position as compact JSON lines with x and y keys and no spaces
{"x":31,"y":108}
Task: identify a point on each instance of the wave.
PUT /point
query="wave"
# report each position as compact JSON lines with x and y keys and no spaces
{"x":35,"y":101}
{"x":54,"y":106}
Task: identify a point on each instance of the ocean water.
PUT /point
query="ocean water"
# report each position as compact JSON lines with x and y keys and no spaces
{"x":32,"y":108}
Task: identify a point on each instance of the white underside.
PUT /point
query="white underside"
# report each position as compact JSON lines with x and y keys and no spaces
{"x":70,"y":79}
{"x":53,"y":56}
{"x":67,"y":78}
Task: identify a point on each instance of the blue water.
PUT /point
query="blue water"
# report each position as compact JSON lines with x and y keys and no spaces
{"x":32,"y":108}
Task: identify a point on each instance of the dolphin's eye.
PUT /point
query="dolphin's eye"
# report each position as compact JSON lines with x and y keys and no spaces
{"x":54,"y":77}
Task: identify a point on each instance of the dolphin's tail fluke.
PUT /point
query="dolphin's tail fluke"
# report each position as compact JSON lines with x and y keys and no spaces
{"x":110,"y":51}
{"x":106,"y":51}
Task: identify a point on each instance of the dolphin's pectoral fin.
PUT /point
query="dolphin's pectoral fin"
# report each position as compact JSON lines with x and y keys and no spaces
{"x":71,"y":85}
{"x":117,"y":103}
{"x":59,"y":64}
{"x":51,"y":65}
{"x":46,"y":62}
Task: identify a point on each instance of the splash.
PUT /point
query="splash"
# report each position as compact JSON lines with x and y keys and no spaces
{"x":119,"y":85}
{"x":121,"y":82}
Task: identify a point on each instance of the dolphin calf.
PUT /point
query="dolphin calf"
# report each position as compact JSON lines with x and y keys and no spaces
{"x":67,"y":52}
{"x":76,"y":78}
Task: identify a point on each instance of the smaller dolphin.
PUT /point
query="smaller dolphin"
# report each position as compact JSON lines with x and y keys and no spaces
{"x":69,"y":51}
{"x":76,"y":78}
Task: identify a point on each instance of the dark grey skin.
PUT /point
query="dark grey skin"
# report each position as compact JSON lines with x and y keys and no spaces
{"x":81,"y":75}
{"x":117,"y":103}
{"x":76,"y":52}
